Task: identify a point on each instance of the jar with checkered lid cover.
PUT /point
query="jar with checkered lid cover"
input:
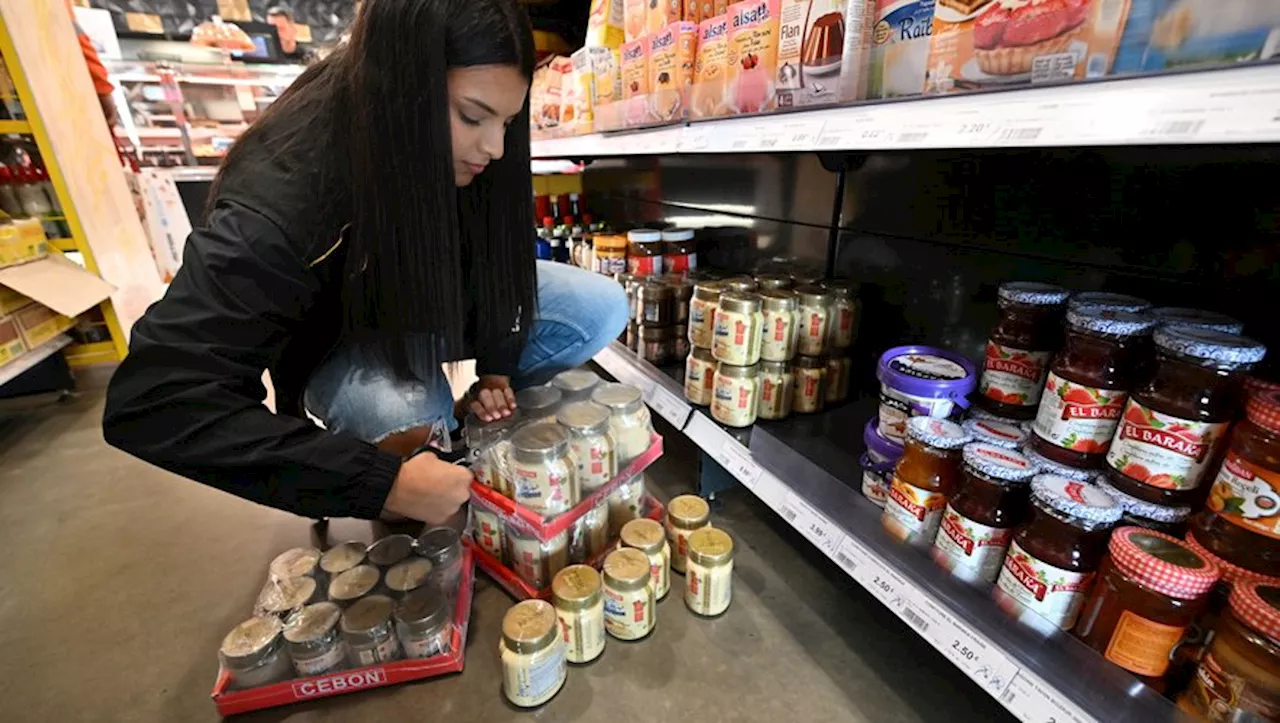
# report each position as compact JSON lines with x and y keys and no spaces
{"x":1239,"y":675}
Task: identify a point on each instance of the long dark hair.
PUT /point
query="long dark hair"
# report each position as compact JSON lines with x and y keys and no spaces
{"x":419,"y":248}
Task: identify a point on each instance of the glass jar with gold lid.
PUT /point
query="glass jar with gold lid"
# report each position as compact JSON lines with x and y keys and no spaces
{"x":648,"y":537}
{"x":686,"y":514}
{"x":628,"y":595}
{"x":579,"y":599}
{"x":709,"y":572}
{"x":533,"y":654}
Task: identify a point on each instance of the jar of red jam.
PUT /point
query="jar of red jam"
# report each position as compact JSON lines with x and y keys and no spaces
{"x":1197,"y":319}
{"x":1239,"y":675}
{"x":1173,"y":424}
{"x":1053,"y":558}
{"x":978,"y":524}
{"x":1001,"y":434}
{"x":1169,"y":520}
{"x":1048,"y":466}
{"x":1149,"y":591}
{"x":1088,"y":384}
{"x":1241,"y":519}
{"x":1018,"y":351}
{"x":923,"y":480}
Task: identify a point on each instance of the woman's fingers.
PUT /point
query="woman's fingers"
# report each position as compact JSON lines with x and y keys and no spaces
{"x":493,"y":404}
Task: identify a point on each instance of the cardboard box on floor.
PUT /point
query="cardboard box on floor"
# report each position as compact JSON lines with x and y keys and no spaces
{"x":42,"y":298}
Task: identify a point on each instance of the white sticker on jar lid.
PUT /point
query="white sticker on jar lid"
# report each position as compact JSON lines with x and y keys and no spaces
{"x":927,"y":366}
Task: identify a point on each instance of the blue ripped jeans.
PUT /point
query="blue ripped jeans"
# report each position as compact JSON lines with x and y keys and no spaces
{"x":578,"y":314}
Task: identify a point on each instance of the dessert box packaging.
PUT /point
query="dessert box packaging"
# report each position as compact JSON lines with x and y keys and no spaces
{"x":635,"y":82}
{"x":900,"y":37}
{"x":634,"y":18}
{"x":710,"y":68}
{"x":986,"y":44}
{"x":1168,"y":34}
{"x":823,"y":51}
{"x":661,"y":13}
{"x":753,"y":56}
{"x":604,"y":24}
{"x":671,"y":56}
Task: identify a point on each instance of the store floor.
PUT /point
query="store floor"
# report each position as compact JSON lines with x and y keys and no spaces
{"x":120,"y":580}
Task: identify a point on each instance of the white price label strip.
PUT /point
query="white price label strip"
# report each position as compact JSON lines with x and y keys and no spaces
{"x":672,"y":408}
{"x":1035,"y":703}
{"x":740,"y":464}
{"x":986,"y":664}
{"x":812,"y":524}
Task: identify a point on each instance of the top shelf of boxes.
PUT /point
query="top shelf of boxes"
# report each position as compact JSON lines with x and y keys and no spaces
{"x":846,"y":75}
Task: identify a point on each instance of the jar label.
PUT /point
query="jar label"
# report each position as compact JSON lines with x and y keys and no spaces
{"x":1013,"y":376}
{"x":971,"y":551}
{"x":701,"y":323}
{"x":645,"y":265}
{"x":911,"y":513}
{"x":322,"y":663}
{"x":775,"y":398}
{"x":737,"y":338}
{"x":680,"y":263}
{"x":679,"y":541}
{"x":735,"y":401}
{"x":659,"y":575}
{"x":1034,"y":591}
{"x":542,"y":488}
{"x":594,"y":458}
{"x":779,"y":342}
{"x":809,"y":395}
{"x":1077,"y":417}
{"x":530,"y":680}
{"x":1162,"y":450}
{"x":1142,"y":646}
{"x":708,"y":591}
{"x":842,"y":331}
{"x":875,"y":488}
{"x":1223,"y":695}
{"x":427,"y":646}
{"x":813,"y":332}
{"x":1247,"y":495}
{"x":612,"y":265}
{"x":698,"y":377}
{"x":583,"y":633}
{"x":628,"y":615}
{"x":488,"y":532}
{"x":380,"y":653}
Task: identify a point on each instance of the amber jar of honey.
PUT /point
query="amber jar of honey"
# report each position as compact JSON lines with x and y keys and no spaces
{"x":923,"y":480}
{"x":1239,"y":675}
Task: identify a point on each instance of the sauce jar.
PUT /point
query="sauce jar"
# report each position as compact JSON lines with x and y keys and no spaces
{"x":492,"y":442}
{"x":368,"y":631}
{"x":389,"y":550}
{"x":657,"y":344}
{"x":1106,"y":301}
{"x":838,"y":370}
{"x":1048,"y":466}
{"x":680,"y":344}
{"x":342,"y":557}
{"x":779,"y":312}
{"x":1001,"y":434}
{"x":422,"y":622}
{"x":655,"y":303}
{"x":679,"y":250}
{"x":533,"y":654}
{"x":686,"y":514}
{"x":1241,"y":519}
{"x":297,"y":562}
{"x":777,"y":390}
{"x":708,"y":582}
{"x":740,"y":284}
{"x":611,"y":254}
{"x":1239,"y":675}
{"x":628,"y":595}
{"x":280,"y":597}
{"x":644,"y":253}
{"x":1140,"y":513}
{"x":702,"y":313}
{"x":736,"y":402}
{"x":487,"y":530}
{"x":990,"y":502}
{"x":681,"y":296}
{"x":253,"y":653}
{"x":773,"y":282}
{"x":878,"y":461}
{"x":539,"y":404}
{"x":1149,"y":591}
{"x":407,"y":575}
{"x":545,"y":475}
{"x":629,"y":420}
{"x":534,"y":561}
{"x":737,"y":330}
{"x":354,"y":584}
{"x":844,"y":312}
{"x":443,"y":547}
{"x":590,"y":534}
{"x":578,"y":594}
{"x":590,"y":443}
{"x":315,"y":643}
{"x":1018,"y":350}
{"x":624,"y":503}
{"x":811,"y":385}
{"x":1088,"y":384}
{"x":1053,"y":558}
{"x":814,"y":317}
{"x":1197,"y":319}
{"x":631,"y":285}
{"x":648,"y":537}
{"x":699,"y":377}
{"x":1173,"y":424}
{"x":923,"y":481}
{"x":575,"y":385}
{"x":921,"y":381}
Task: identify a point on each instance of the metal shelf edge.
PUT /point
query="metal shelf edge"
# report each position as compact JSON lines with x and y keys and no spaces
{"x":660,"y":392}
{"x":22,"y":364}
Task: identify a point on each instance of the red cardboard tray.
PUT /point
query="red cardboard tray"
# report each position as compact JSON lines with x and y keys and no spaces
{"x":508,"y":580}
{"x":231,"y":702}
{"x":532,"y":524}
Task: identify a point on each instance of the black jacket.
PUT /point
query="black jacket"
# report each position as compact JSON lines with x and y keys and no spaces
{"x":259,"y":288}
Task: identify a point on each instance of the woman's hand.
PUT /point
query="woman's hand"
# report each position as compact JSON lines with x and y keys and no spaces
{"x":492,"y":398}
{"x":428,"y":490}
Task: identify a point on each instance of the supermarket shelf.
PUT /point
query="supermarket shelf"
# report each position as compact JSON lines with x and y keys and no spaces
{"x":100,"y":352}
{"x":63,"y":244}
{"x":661,"y":392}
{"x":18,"y":366}
{"x":1232,"y":105}
{"x":805,"y":469}
{"x":15,"y":126}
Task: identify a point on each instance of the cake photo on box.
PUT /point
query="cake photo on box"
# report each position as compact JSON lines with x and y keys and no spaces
{"x":1011,"y":34}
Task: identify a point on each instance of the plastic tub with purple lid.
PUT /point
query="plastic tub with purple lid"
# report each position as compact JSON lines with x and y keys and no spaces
{"x":921,"y":381}
{"x":878,"y":463}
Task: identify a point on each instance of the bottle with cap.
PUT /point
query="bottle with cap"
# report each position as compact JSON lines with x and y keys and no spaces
{"x":579,"y":599}
{"x":708,"y":588}
{"x":533,"y":654}
{"x":629,"y":612}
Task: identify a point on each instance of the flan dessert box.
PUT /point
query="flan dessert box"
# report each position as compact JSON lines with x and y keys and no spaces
{"x":984,"y":44}
{"x":824,"y":49}
{"x":671,"y":58}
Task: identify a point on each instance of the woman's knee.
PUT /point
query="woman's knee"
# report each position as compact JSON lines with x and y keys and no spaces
{"x":354,"y":394}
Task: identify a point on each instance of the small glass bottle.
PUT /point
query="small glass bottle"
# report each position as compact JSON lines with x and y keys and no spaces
{"x":814,"y":317}
{"x":253,"y":653}
{"x":575,"y":385}
{"x":315,"y":643}
{"x":1018,"y":351}
{"x":648,"y":537}
{"x":737,"y":395}
{"x":644,"y":252}
{"x":699,"y":377}
{"x":368,"y":631}
{"x":389,"y":550}
{"x":708,"y":580}
{"x":406,"y":576}
{"x":686,"y":515}
{"x":1149,"y":591}
{"x":579,"y":599}
{"x":354,"y":584}
{"x":923,"y":481}
{"x":777,"y":390}
{"x":844,"y":313}
{"x":630,"y":422}
{"x":342,"y":557}
{"x":990,"y":502}
{"x":737,"y":328}
{"x":422,"y":622}
{"x":297,"y":562}
{"x":811,"y":385}
{"x":590,"y":443}
{"x":1239,"y":675}
{"x":545,"y":476}
{"x":779,"y":309}
{"x":629,"y":604}
{"x":533,"y":654}
{"x":655,"y":303}
{"x":443,"y":547}
{"x":702,"y":313}
{"x":681,"y":296}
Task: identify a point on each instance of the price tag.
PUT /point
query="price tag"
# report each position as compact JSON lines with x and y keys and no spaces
{"x":799,"y":135}
{"x":986,"y":664}
{"x":694,"y":139}
{"x":851,"y":557}
{"x":814,"y":525}
{"x":672,"y":408}
{"x":740,"y":464}
{"x":1030,"y":701}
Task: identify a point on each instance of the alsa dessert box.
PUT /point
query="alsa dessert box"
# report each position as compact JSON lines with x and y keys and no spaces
{"x":351,"y":680}
{"x":533,"y":524}
{"x":516,"y":586}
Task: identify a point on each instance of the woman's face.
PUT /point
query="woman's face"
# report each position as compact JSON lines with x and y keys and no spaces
{"x":483,"y":100}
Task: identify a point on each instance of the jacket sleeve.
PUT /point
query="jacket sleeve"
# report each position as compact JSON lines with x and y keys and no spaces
{"x":188,"y":397}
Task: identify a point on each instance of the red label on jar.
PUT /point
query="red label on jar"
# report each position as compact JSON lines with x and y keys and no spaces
{"x":1013,"y":376}
{"x":780,"y":330}
{"x":1078,"y":417}
{"x":739,"y":332}
{"x":645,"y":265}
{"x":767,"y":389}
{"x":810,"y":386}
{"x":815,"y":325}
{"x":1162,"y":450}
{"x":744,"y":397}
{"x":681,"y":263}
